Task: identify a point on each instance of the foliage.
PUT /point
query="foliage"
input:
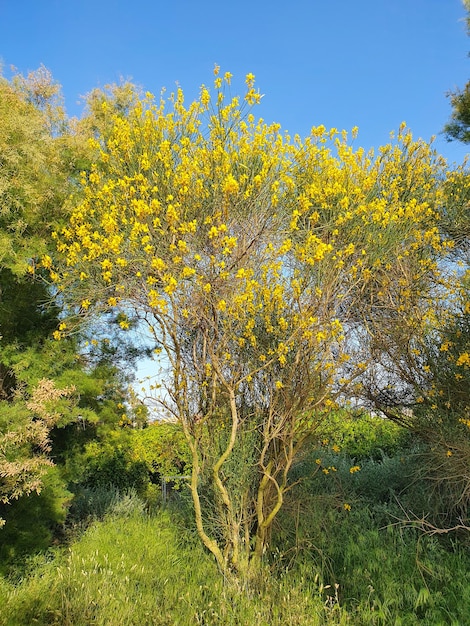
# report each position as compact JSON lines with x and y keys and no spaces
{"x":40,"y":155}
{"x":260,"y":264}
{"x":442,"y":413}
{"x":458,"y":127}
{"x":362,"y":434}
{"x":92,"y":504}
{"x":163,"y":448}
{"x":350,"y":573}
{"x":34,"y":522}
{"x":455,"y":219}
{"x":37,"y":156}
{"x":33,"y":183}
{"x":421,"y":379}
{"x":111,"y":463}
{"x":119,"y":582}
{"x":24,"y":445}
{"x":31,"y":440}
{"x":354,"y":526}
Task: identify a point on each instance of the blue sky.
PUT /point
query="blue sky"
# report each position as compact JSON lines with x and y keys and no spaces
{"x":341,"y":63}
{"x":370,"y":63}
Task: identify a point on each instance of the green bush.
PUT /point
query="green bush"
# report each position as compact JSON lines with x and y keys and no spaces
{"x":92,"y":503}
{"x":353,"y":528}
{"x":33,"y":521}
{"x":362,"y":435}
{"x":110,"y":463}
{"x":163,"y":448}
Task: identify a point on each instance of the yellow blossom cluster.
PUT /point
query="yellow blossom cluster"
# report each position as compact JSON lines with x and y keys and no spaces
{"x":214,"y":222}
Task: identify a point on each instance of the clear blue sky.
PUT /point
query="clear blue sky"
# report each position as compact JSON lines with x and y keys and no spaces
{"x":341,"y":63}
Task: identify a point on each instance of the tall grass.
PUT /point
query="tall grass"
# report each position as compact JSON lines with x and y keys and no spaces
{"x":329,"y":565}
{"x":386,"y":573}
{"x":134,"y":568}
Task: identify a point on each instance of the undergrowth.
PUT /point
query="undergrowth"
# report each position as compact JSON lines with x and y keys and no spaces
{"x":136,"y":568}
{"x":340,"y":554}
{"x":337,"y":567}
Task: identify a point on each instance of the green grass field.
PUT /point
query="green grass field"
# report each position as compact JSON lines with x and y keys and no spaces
{"x":328,"y":565}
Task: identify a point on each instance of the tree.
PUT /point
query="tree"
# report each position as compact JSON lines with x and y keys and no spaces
{"x":41,"y":152}
{"x":36,"y":159}
{"x":258,"y":263}
{"x":33,"y":177}
{"x":421,"y":375}
{"x":458,"y":126}
{"x":421,"y":380}
{"x":25,"y":443}
{"x":444,"y":351}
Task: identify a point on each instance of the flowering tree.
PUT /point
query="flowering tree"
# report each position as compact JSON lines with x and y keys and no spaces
{"x":421,"y":373}
{"x":259,"y":263}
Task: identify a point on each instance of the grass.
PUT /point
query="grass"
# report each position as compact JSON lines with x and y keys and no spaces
{"x":386,"y":573}
{"x":329,"y":566}
{"x":135,"y":568}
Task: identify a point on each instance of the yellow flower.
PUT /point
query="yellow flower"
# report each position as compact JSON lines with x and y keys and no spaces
{"x":188,"y":272}
{"x":46,"y":261}
{"x":346,"y":506}
{"x":158,"y":264}
{"x":230,"y":185}
{"x":354,"y":469}
{"x":171,"y":286}
{"x":464,"y":359}
{"x":250,"y":79}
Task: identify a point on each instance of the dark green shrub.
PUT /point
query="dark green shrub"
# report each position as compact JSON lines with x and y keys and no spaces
{"x":33,"y":521}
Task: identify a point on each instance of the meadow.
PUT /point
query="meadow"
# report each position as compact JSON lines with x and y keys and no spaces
{"x":341,"y":553}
